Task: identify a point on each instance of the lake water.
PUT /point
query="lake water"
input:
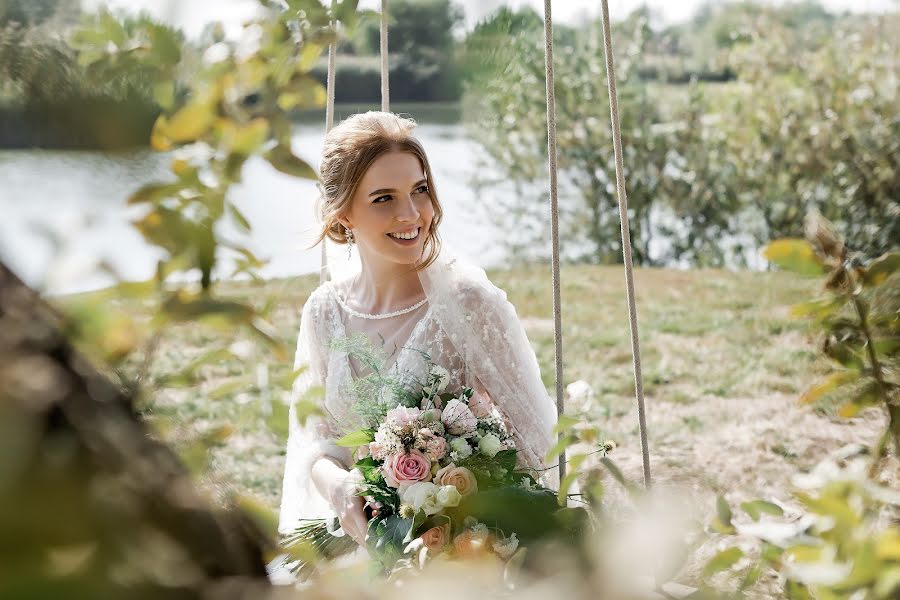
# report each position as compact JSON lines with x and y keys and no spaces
{"x":64,"y":212}
{"x":65,"y":224}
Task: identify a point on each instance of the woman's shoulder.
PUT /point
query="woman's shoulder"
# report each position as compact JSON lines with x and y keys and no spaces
{"x":472,"y":285}
{"x":318,"y":300}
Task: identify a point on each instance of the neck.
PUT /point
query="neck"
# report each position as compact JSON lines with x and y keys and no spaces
{"x":383,"y":286}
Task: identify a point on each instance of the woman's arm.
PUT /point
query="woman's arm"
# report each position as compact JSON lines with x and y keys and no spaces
{"x":317,"y":482}
{"x":498,"y":353}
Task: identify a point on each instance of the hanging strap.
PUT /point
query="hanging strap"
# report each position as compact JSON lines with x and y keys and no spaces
{"x":626,"y":238}
{"x":329,"y":123}
{"x":385,"y":79}
{"x":554,"y":220}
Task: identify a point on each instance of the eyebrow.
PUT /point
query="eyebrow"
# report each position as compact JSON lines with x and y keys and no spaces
{"x":389,"y":190}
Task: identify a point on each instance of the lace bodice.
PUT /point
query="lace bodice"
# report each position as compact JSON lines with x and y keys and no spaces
{"x":470,"y":321}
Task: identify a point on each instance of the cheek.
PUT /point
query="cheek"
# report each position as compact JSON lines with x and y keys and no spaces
{"x":427,"y":209}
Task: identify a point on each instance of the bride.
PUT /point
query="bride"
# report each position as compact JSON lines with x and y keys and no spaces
{"x":378,"y":194}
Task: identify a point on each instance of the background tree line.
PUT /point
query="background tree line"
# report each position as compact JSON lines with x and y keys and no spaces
{"x":808,"y":122}
{"x":736,"y":124}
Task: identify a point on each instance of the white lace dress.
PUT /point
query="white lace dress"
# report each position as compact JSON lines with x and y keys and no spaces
{"x":466,"y":326}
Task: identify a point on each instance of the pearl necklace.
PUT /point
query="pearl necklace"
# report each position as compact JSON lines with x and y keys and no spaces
{"x":361,"y":315}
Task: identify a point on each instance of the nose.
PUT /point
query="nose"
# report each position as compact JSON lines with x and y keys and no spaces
{"x":406,"y":210}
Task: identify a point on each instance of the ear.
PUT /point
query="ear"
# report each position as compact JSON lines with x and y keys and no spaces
{"x":345,"y":221}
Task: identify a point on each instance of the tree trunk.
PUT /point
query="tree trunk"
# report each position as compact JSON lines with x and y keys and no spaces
{"x":91,"y":506}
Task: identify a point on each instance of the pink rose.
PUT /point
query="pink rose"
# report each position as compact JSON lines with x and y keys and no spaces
{"x":435,"y":447}
{"x":402,"y":416}
{"x":401,"y":470}
{"x":436,"y":538}
{"x":458,"y":419}
{"x":460,"y":477}
{"x":480,"y":405}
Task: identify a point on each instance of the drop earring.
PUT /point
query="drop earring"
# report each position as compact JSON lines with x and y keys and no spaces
{"x":348,"y":233}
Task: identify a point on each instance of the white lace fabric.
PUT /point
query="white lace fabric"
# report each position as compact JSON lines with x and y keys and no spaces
{"x":467,"y":326}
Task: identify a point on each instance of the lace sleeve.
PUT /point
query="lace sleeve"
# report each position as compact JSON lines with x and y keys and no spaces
{"x":485,"y":329}
{"x":314,"y":439}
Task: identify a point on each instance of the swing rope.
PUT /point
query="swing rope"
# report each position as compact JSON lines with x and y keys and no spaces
{"x":329,"y":123}
{"x":626,"y":238}
{"x":385,"y":79}
{"x":554,"y":221}
{"x":329,"y":102}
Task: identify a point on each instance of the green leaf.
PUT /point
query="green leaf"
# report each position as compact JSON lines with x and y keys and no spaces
{"x":304,"y":409}
{"x":819,"y":309}
{"x":243,"y":224}
{"x":723,"y":511}
{"x":247,"y":139}
{"x":357,"y":438}
{"x":886,"y":346}
{"x":153,"y":193}
{"x":229,"y":388}
{"x":843,"y":354}
{"x":755,"y":508}
{"x":304,"y":92}
{"x":164,"y":94}
{"x":560,"y":446}
{"x":722,"y":523}
{"x":723,"y":560}
{"x":565,"y":422}
{"x":618,"y":475}
{"x":385,"y":539}
{"x":869,"y":394}
{"x":278,"y":421}
{"x":284,"y":160}
{"x":880,"y":269}
{"x":796,"y":255}
{"x":572,"y":474}
{"x":831,"y":383}
{"x":506,"y":459}
{"x":418,"y":519}
{"x":190,"y":123}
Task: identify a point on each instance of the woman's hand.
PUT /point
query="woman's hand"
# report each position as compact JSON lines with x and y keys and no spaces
{"x":348,"y":505}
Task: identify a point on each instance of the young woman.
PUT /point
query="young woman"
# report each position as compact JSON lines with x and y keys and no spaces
{"x":378,"y":194}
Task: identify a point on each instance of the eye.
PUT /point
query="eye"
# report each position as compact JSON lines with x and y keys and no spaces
{"x":422,"y":189}
{"x":379,"y":199}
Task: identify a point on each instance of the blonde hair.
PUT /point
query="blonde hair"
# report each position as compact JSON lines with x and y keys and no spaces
{"x":350,"y":149}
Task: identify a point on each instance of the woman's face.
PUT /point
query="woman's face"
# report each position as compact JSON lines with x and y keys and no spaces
{"x":392,"y":200}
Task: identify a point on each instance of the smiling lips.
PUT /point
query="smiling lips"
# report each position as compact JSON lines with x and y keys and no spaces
{"x":410,"y":234}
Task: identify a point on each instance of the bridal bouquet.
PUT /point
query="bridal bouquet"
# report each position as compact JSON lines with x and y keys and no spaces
{"x":439,"y":473}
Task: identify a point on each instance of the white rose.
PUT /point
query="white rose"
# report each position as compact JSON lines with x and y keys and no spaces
{"x":461,"y":447}
{"x":489,"y":445}
{"x":448,"y":495}
{"x":422,"y":496}
{"x":458,"y":419}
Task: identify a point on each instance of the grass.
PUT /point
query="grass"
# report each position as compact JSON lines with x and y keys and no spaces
{"x":723,"y":364}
